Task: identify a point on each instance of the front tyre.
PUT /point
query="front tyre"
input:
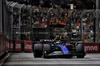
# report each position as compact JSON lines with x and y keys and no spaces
{"x":80,"y":51}
{"x":38,"y":50}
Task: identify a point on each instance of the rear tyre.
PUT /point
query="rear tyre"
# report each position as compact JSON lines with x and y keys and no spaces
{"x":46,"y":50}
{"x":38,"y":50}
{"x":45,"y":54}
{"x":80,"y":50}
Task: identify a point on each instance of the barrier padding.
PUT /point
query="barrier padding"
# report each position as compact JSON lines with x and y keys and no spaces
{"x":92,"y":47}
{"x":7,"y":44}
{"x":28,"y":46}
{"x":2,"y":44}
{"x":18,"y":45}
{"x":11,"y":45}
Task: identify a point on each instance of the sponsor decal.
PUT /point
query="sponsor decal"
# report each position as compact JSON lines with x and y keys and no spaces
{"x":64,"y":47}
{"x":91,"y":48}
{"x":11,"y":45}
{"x":28,"y":46}
{"x":18,"y":46}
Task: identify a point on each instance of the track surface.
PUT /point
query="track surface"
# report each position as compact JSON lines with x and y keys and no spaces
{"x":27,"y":59}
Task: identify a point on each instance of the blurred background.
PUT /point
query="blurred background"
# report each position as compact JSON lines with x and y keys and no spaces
{"x":72,"y":20}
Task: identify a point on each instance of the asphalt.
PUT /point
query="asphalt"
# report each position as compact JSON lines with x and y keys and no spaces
{"x":27,"y":59}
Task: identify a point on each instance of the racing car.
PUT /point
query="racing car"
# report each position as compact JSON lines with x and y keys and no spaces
{"x":59,"y":48}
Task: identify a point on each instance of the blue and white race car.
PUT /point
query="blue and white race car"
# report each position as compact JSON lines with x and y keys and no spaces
{"x":58,"y":48}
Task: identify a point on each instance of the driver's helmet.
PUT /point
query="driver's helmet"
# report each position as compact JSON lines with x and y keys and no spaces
{"x":57,"y":37}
